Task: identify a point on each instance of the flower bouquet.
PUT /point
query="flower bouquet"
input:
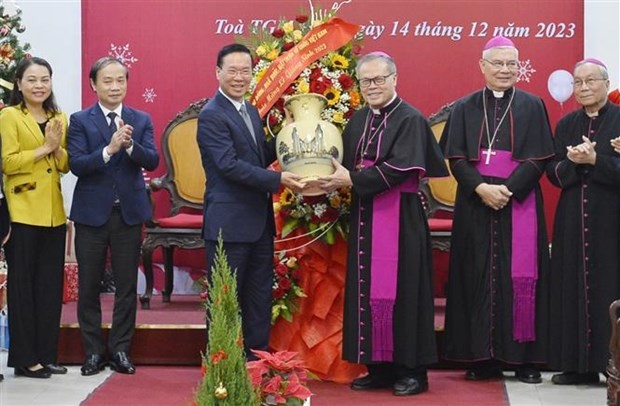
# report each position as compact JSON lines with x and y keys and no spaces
{"x":324,"y":217}
{"x":286,"y":289}
{"x":279,"y":378}
{"x":332,"y":75}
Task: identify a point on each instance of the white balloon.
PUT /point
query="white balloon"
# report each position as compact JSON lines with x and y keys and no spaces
{"x":560,"y":85}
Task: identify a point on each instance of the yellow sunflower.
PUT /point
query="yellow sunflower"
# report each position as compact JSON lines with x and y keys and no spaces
{"x":287,"y":197}
{"x":333,"y":96}
{"x":338,"y":61}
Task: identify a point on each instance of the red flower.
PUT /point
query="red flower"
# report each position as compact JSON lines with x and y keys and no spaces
{"x":301,"y":19}
{"x":278,"y":293}
{"x":218,"y":356}
{"x":287,"y":45}
{"x":349,"y":113}
{"x":278,"y":33}
{"x":281,"y":270}
{"x":331,"y":214}
{"x":356,"y":50}
{"x":346,"y":81}
{"x":284,"y":283}
{"x":273,"y":120}
{"x":317,"y":86}
{"x":289,"y":90}
{"x":315,"y":73}
{"x":312,"y":200}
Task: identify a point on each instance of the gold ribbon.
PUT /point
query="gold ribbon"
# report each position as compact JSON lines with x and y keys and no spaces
{"x":6,"y":84}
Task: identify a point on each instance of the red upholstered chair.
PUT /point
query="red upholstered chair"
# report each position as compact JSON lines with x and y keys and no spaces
{"x":185,"y":182}
{"x":438,"y":196}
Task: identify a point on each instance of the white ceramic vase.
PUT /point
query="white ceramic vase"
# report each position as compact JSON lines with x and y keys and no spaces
{"x":307,"y":145}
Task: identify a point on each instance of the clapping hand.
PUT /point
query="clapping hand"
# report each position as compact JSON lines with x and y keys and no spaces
{"x":616,"y":144}
{"x":53,"y":134}
{"x":584,"y":153}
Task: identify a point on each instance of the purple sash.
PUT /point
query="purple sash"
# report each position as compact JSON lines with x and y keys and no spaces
{"x":384,"y":265}
{"x":524,"y":258}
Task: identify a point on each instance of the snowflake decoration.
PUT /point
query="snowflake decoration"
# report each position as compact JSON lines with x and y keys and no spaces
{"x":149,"y":95}
{"x":123,"y":54}
{"x":525,"y":71}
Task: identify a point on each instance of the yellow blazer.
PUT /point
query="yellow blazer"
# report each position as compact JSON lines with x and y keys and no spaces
{"x":32,"y":189}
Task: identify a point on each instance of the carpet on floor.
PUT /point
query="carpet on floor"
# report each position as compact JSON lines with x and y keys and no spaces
{"x":176,"y":385}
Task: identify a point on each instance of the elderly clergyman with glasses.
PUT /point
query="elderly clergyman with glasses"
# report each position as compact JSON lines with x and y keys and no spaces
{"x":586,"y":237}
{"x":388,"y":310}
{"x":498,"y":141}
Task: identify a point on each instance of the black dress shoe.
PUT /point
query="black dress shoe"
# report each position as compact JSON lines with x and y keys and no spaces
{"x":1,"y":377}
{"x":93,"y":364}
{"x":410,"y":386}
{"x":528,"y":375}
{"x":483,"y":373}
{"x":574,"y":378}
{"x":39,"y":373}
{"x":371,"y":381}
{"x":56,"y":369}
{"x":120,"y":363}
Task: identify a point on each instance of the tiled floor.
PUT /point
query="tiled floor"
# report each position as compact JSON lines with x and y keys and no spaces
{"x":71,"y":389}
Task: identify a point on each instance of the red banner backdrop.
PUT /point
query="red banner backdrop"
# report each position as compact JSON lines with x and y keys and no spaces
{"x":171,"y":49}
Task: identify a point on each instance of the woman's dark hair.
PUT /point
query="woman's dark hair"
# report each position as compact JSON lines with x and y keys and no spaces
{"x":17,"y":98}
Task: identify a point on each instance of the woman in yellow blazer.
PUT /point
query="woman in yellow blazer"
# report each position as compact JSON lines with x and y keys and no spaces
{"x":33,"y":132}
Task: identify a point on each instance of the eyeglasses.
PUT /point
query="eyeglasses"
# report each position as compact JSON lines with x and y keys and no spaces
{"x":577,"y":83}
{"x":512,"y":65}
{"x":243,"y":73}
{"x":377,"y":80}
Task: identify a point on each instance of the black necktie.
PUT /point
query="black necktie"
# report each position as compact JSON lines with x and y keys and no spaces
{"x":112,"y":116}
{"x":248,"y":122}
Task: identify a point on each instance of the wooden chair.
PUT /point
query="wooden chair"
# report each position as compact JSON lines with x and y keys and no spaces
{"x":439,"y":194}
{"x":185,"y":182}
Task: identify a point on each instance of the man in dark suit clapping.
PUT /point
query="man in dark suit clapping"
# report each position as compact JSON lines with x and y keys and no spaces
{"x":238,"y":196}
{"x":109,"y":144}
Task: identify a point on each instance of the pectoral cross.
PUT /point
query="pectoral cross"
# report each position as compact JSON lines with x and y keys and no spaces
{"x":488,"y":153}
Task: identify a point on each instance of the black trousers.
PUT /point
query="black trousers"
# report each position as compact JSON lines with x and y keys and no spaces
{"x":254,"y":265}
{"x":35,"y":259}
{"x":91,"y":248}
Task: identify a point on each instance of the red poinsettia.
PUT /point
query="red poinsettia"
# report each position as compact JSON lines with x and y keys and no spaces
{"x":279,"y":377}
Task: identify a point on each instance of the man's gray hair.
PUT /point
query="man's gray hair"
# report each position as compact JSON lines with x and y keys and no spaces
{"x":373,"y":56}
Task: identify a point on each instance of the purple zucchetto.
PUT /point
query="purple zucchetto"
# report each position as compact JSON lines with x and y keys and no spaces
{"x":499,"y":41}
{"x":380,"y":53}
{"x":592,"y":60}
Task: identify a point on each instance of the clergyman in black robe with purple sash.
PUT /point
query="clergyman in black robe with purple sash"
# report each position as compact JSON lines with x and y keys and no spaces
{"x":585,"y":261}
{"x":498,"y":141}
{"x":389,"y":309}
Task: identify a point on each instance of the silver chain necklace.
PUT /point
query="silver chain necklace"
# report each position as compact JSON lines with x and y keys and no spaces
{"x":490,"y":139}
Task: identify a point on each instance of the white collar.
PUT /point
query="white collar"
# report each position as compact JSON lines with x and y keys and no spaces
{"x":118,"y":110}
{"x":378,"y":111}
{"x":235,"y":103}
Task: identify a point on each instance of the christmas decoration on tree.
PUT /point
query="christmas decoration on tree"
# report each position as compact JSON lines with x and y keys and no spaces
{"x":226,"y":380}
{"x":11,"y":52}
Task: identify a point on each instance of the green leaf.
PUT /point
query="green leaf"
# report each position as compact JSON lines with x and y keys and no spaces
{"x":290,"y":224}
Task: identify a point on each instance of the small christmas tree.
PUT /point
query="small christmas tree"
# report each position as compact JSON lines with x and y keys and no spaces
{"x":226,"y":380}
{"x":11,"y":52}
